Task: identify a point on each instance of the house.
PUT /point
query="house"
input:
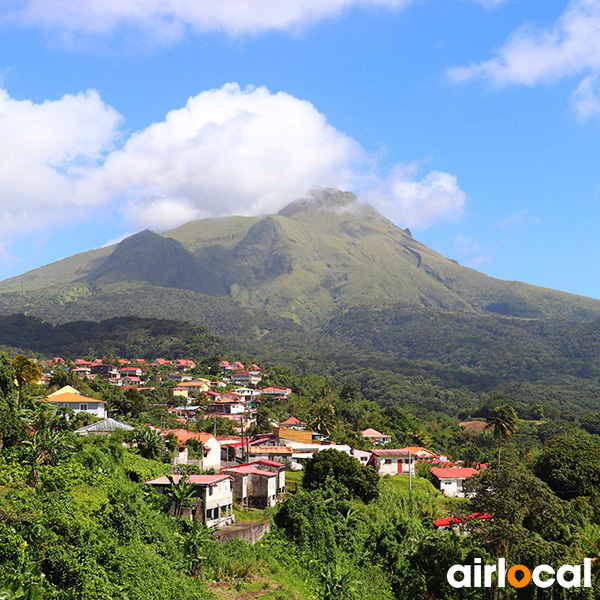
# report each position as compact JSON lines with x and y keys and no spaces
{"x":397,"y":461}
{"x":132,"y":371}
{"x":287,"y":436}
{"x":81,"y":372}
{"x":247,"y":394}
{"x":362,"y":456}
{"x":253,"y":487}
{"x":69,"y":396}
{"x":275,"y":467}
{"x":282,"y":454}
{"x":195,"y":386}
{"x":245,"y":377}
{"x":161,"y":362}
{"x":275,"y":392}
{"x":230,"y":403}
{"x":293,"y":423}
{"x":375,"y":436}
{"x":108,"y":372}
{"x":212,"y":501}
{"x":451,"y":479}
{"x":212,"y":447}
{"x":184,"y":364}
{"x":304,"y":452}
{"x":103,"y":427}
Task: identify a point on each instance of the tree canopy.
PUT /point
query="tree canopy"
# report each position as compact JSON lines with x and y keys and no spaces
{"x":361,"y":482}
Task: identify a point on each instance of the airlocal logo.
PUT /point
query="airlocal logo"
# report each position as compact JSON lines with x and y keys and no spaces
{"x":478,"y":575}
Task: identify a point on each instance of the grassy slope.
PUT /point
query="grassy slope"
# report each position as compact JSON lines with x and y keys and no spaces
{"x":313,"y":258}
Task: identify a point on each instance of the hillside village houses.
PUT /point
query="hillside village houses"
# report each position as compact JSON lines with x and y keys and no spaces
{"x":248,"y":470}
{"x":69,"y":397}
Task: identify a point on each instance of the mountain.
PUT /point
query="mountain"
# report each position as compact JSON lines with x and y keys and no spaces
{"x":315,"y":259}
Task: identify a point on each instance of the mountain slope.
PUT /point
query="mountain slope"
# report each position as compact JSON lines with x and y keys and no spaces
{"x":318,"y":257}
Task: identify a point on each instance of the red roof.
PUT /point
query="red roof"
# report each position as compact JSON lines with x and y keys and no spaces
{"x":391,"y":452}
{"x":250,"y":471}
{"x":292,"y":421}
{"x":457,"y":520}
{"x":183,"y":435}
{"x":453,"y":472}
{"x":266,"y":462}
{"x":198,"y":479}
{"x":447,"y":521}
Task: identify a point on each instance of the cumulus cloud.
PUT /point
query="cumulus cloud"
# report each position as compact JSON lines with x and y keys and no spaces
{"x":414,"y":202}
{"x":47,"y":153}
{"x":169,"y":19}
{"x":530,"y":55}
{"x":227,"y":151}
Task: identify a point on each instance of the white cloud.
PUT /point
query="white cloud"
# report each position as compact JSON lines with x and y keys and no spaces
{"x":166,"y":20}
{"x":417,"y":203}
{"x":585,"y":100}
{"x":228,"y":151}
{"x":47,"y":152}
{"x":530,"y":56}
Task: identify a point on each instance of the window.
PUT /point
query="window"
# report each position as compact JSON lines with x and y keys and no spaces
{"x":387,"y":461}
{"x":83,"y":407}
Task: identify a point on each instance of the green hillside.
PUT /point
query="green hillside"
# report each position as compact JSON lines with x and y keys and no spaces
{"x":317,"y":257}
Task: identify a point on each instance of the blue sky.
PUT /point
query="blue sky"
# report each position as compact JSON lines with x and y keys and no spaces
{"x":473,"y":122}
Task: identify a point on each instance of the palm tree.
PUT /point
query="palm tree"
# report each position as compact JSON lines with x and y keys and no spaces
{"x":26,"y":371}
{"x":323,"y":420}
{"x":180,"y":494}
{"x":504,"y":423}
{"x":43,"y":448}
{"x":149,"y":443}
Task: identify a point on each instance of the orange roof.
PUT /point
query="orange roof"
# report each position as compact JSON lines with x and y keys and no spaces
{"x":183,"y":435}
{"x":69,"y":397}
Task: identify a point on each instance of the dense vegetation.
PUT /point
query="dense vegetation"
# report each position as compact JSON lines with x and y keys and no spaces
{"x":121,"y":336}
{"x":77,"y":524}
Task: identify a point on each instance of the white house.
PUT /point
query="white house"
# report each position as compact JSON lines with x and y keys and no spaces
{"x":451,"y":479}
{"x":396,"y":461}
{"x":376,"y":436}
{"x":212,"y":447}
{"x":69,"y":396}
{"x":212,"y":502}
{"x":253,"y":487}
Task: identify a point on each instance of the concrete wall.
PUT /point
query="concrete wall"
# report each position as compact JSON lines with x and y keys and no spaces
{"x":250,"y":531}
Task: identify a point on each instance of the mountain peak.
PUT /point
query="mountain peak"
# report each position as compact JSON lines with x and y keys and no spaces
{"x":321,"y":199}
{"x":344,"y":205}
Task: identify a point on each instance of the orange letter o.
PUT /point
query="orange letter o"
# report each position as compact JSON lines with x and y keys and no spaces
{"x":510,"y":576}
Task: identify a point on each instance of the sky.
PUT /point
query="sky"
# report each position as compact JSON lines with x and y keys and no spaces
{"x":474,"y":122}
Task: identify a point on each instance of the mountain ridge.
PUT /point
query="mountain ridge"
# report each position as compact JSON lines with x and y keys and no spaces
{"x":318,"y":256}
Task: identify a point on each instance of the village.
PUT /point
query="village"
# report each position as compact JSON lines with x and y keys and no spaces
{"x":247,"y":467}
